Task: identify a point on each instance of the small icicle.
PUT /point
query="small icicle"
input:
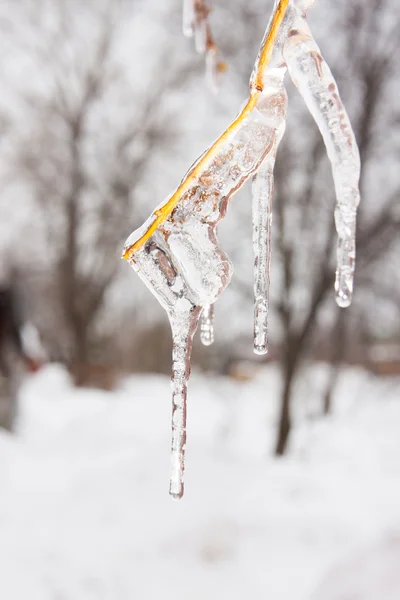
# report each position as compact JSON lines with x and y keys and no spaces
{"x":262,"y":188}
{"x":211,"y":69}
{"x":207,"y":325}
{"x":346,"y":256}
{"x":188,"y":17}
{"x":183,"y":327}
{"x":200,"y":35}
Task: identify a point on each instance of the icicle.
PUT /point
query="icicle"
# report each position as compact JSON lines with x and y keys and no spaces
{"x":183,"y":328}
{"x":212,"y":72}
{"x":200,"y":35}
{"x":207,"y":325}
{"x":346,"y":255}
{"x":263,"y":187}
{"x":188,"y":17}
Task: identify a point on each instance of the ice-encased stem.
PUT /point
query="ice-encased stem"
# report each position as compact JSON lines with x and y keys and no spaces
{"x":262,"y":188}
{"x":207,"y":325}
{"x":314,"y":79}
{"x":188,"y":17}
{"x":183,"y":327}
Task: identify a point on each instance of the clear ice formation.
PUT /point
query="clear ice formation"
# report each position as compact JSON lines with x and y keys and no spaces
{"x":207,"y":325}
{"x":179,"y":257}
{"x":263,"y":189}
{"x":195,"y":24}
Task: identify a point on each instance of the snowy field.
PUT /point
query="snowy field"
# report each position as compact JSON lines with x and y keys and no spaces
{"x":85,"y":512}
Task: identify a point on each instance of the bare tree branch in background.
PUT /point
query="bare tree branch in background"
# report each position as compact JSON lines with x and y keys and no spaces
{"x":84,"y":172}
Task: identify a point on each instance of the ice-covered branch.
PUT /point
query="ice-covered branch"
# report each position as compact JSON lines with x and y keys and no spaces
{"x":176,"y":252}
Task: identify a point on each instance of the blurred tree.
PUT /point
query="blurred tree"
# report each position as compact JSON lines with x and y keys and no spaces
{"x":11,"y":356}
{"x":85,"y":151}
{"x":91,"y":113}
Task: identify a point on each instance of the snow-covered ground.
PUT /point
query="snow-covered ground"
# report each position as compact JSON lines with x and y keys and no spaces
{"x":85,"y":512}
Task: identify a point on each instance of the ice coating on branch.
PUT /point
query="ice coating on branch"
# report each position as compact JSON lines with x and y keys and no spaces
{"x":177,"y":253}
{"x":263,"y":187}
{"x":182,"y":262}
{"x":207,"y":325}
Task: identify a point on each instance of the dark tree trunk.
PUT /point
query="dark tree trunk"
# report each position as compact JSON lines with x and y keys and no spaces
{"x":327,"y":405}
{"x":338,"y":338}
{"x":9,"y":398}
{"x":79,"y":356}
{"x":11,"y":357}
{"x":333,"y":377}
{"x":285,"y":420}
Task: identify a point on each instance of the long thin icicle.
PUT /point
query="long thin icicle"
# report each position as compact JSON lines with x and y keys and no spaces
{"x":207,"y":325}
{"x":183,"y":328}
{"x":263,"y":189}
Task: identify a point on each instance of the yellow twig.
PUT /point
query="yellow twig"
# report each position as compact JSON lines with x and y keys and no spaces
{"x":256,"y":88}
